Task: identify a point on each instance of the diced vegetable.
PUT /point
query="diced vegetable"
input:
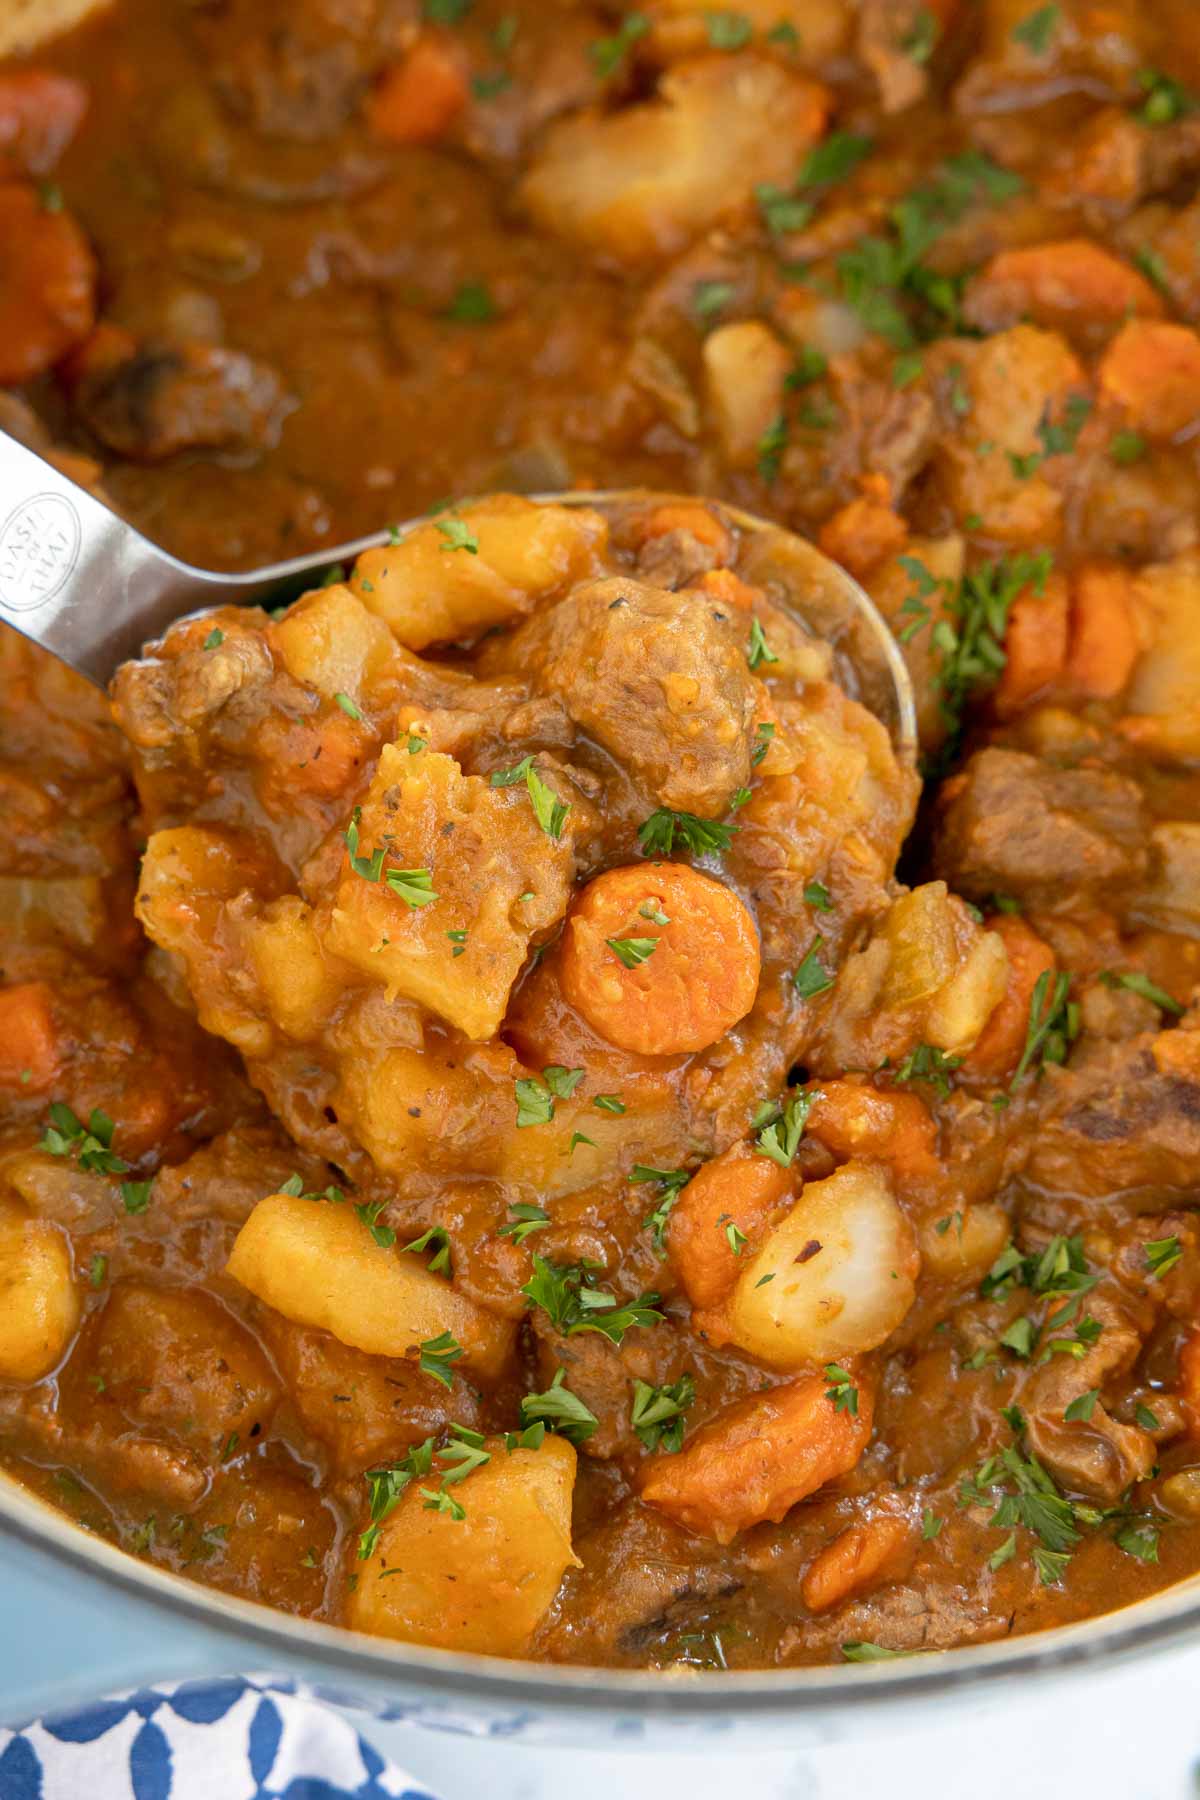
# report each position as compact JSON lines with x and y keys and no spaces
{"x":739,"y":1188}
{"x":757,"y":1458}
{"x":841,"y":1298}
{"x":39,"y":1302}
{"x":481,"y":1582}
{"x":317,"y":1262}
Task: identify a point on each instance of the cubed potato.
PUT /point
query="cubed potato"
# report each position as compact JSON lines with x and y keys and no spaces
{"x":961,"y":1246}
{"x":333,"y":643}
{"x":317,"y":1263}
{"x":300,"y":982}
{"x":930,"y":974}
{"x":745,"y":371}
{"x":484,"y":850}
{"x":841,"y":1298}
{"x":39,"y":1302}
{"x":1164,"y":696}
{"x":640,"y":183}
{"x":429,"y":592}
{"x":446,"y":1109}
{"x":482,"y":1583}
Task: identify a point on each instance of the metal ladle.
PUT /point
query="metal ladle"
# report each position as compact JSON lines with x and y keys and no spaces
{"x":79,"y":581}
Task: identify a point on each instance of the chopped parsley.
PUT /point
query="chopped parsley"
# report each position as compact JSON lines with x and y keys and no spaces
{"x":1082,"y":1407}
{"x":866,"y":1653}
{"x":1166,"y":100}
{"x":735,"y":1237}
{"x":458,"y":535}
{"x":473,"y":303}
{"x":672,"y":1182}
{"x":841,"y":1390}
{"x":214,"y":640}
{"x":928,"y":1062}
{"x":771,"y":446}
{"x":609,"y":1103}
{"x":728,"y":30}
{"x":816,"y":895}
{"x":1052,"y":1027}
{"x":436,"y":1355}
{"x":1138,"y":1537}
{"x":98,"y":1271}
{"x":1153,"y":268}
{"x":1137,"y":983}
{"x":703,"y":837}
{"x":1037,"y":29}
{"x":569,"y":1297}
{"x":931,"y":1526}
{"x":525,"y":1220}
{"x":535,"y":1102}
{"x":970,"y":644}
{"x":549,"y":811}
{"x":369,"y":1213}
{"x":812,"y":977}
{"x":437,"y":1239}
{"x":922,"y":40}
{"x":758,"y":651}
{"x":1126,"y":447}
{"x":347,"y":705}
{"x":560,"y":1409}
{"x":710,"y":298}
{"x":1162,"y":1255}
{"x":632,"y":951}
{"x":135,"y":1195}
{"x":657,"y":1413}
{"x":835,"y":157}
{"x":413,"y":886}
{"x":90,"y":1144}
{"x":608,"y":53}
{"x":780,"y":1134}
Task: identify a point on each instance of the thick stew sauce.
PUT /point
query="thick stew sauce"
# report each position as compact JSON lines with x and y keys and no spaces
{"x":527,"y":1124}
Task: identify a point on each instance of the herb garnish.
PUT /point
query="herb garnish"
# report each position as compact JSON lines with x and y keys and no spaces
{"x":657,"y":1413}
{"x":572,"y":1302}
{"x":702,"y":837}
{"x":561,"y":1409}
{"x":549,"y":810}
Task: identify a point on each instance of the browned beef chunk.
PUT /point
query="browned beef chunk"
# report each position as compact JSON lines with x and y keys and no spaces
{"x":167,"y":398}
{"x":661,"y":680}
{"x":1015,"y":825}
{"x":593,"y":1370}
{"x":1119,"y":1124}
{"x":1097,"y":1456}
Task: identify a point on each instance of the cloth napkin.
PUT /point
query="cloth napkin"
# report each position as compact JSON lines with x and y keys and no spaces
{"x":237,"y":1738}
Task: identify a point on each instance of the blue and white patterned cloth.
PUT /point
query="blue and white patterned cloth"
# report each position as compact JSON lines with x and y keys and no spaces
{"x":228,"y":1739}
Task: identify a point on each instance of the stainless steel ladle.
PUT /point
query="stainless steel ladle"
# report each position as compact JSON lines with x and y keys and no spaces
{"x":86,"y":586}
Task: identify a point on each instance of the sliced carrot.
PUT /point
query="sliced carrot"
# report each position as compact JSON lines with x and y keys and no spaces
{"x":308,"y":756}
{"x":854,"y":1119}
{"x":690,"y":516}
{"x":1189,"y":1380}
{"x":417,"y":101}
{"x":740,"y":1187}
{"x":999,"y":1046}
{"x":47,"y":284}
{"x":863,"y":534}
{"x":856,"y":1561}
{"x":1177,"y":1053}
{"x":40,"y":112}
{"x":1104,"y":635}
{"x":29,"y":1050}
{"x":1059,"y":284}
{"x":1035,"y":645}
{"x":659,"y":958}
{"x":1152,"y":370}
{"x":757,"y":1458}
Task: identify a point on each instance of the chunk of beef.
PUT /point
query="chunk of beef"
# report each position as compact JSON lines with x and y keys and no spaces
{"x":1097,"y":1456}
{"x":661,"y":680}
{"x":167,"y":398}
{"x":1015,"y":825}
{"x":592,"y":1369}
{"x":1120,"y":1124}
{"x":364,"y":1409}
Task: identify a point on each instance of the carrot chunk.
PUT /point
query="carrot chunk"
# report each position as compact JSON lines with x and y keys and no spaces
{"x":856,"y":1561}
{"x":757,"y":1458}
{"x":690,"y":516}
{"x":741,"y":1188}
{"x":998,"y":1048}
{"x":47,"y":284}
{"x":863,"y":533}
{"x":659,"y":958}
{"x":1104,"y":635}
{"x":1189,"y":1380}
{"x":1035,"y":645}
{"x":1152,"y":369}
{"x":1059,"y":285}
{"x":854,"y":1119}
{"x":418,"y":100}
{"x":29,"y":1055}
